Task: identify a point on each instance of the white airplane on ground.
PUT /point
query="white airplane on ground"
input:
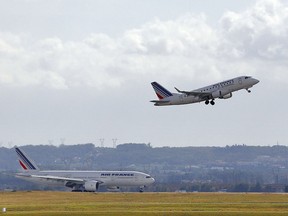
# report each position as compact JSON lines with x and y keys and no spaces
{"x":81,"y":180}
{"x":222,"y":90}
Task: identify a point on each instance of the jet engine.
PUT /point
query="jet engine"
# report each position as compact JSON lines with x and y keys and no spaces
{"x":91,"y":186}
{"x":222,"y":94}
{"x":226,"y":96}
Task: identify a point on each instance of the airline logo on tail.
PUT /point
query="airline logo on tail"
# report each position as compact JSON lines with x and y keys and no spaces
{"x":160,"y":91}
{"x":25,"y":162}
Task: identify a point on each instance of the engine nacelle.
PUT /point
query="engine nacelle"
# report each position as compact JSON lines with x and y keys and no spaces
{"x":221,"y":94}
{"x":226,"y":96}
{"x":217,"y":94}
{"x":91,"y":186}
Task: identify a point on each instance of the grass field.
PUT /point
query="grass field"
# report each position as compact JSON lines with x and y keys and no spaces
{"x":68,"y":203}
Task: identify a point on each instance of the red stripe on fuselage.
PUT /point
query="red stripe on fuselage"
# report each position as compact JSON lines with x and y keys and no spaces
{"x":23,"y":166}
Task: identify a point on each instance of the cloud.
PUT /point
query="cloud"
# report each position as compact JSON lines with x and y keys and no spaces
{"x":253,"y":42}
{"x":177,"y":37}
{"x":259,"y":32}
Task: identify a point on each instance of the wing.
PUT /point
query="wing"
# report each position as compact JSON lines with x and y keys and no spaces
{"x":202,"y":95}
{"x":75,"y":183}
{"x":52,"y":178}
{"x":60,"y":179}
{"x":68,"y":182}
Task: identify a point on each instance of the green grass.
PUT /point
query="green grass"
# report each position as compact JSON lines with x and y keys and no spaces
{"x":68,"y":203}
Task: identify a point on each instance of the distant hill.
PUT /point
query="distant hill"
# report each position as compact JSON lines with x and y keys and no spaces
{"x":87,"y":156}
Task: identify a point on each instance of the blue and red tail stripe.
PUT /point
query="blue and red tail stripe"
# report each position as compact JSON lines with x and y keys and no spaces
{"x":24,"y":161}
{"x":160,"y":91}
{"x":23,"y":165}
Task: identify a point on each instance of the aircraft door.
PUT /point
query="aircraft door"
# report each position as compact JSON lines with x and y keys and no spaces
{"x":240,"y":81}
{"x":136,"y":177}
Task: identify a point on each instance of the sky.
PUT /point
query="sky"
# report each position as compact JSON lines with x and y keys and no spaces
{"x":74,"y":71}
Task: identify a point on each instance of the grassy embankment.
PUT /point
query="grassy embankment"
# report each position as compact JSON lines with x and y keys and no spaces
{"x":67,"y":203}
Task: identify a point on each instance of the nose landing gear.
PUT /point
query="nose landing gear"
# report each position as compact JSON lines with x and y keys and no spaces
{"x":141,"y":189}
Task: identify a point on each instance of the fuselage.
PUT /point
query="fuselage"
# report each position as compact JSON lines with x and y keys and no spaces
{"x":107,"y":178}
{"x":222,"y":90}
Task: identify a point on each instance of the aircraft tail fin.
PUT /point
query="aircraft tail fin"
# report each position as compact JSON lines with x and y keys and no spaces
{"x":25,"y":162}
{"x":160,"y":91}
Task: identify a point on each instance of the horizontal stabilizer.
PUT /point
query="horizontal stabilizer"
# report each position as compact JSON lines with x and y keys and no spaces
{"x":159,"y":101}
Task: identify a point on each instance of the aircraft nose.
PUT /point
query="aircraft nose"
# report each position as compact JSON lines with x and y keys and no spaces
{"x":255,"y":81}
{"x":152,"y":180}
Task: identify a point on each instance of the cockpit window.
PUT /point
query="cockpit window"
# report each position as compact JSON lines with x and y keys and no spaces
{"x":148,"y":176}
{"x":247,"y":77}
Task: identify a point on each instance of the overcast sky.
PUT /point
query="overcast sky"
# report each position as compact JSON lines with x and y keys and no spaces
{"x":81,"y":71}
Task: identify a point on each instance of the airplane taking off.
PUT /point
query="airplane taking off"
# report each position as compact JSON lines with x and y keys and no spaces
{"x":81,"y":180}
{"x":222,"y":90}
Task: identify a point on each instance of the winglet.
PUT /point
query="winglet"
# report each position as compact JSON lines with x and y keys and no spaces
{"x":178,"y":90}
{"x":183,"y":92}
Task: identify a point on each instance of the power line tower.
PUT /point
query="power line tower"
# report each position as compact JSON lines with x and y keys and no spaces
{"x":114,"y":142}
{"x":102,"y":142}
{"x":10,"y":144}
{"x":62,"y":140}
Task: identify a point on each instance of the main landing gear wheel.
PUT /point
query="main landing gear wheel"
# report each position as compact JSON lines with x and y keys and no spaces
{"x":249,"y":91}
{"x":211,"y":102}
